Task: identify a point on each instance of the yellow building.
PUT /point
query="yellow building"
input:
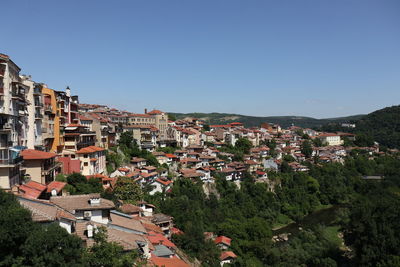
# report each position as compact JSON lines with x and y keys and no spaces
{"x":53,"y":121}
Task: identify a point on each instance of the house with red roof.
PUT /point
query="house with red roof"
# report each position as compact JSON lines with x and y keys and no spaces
{"x":40,"y":166}
{"x":76,"y":137}
{"x":223,"y":242}
{"x":227,"y":257}
{"x":93,"y":160}
{"x":168,"y":262}
{"x":251,"y":165}
{"x":32,"y":190}
{"x":160,"y":185}
{"x":56,"y":188}
{"x":330,"y":139}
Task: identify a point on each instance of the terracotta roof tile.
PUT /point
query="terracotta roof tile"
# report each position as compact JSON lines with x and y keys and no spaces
{"x":31,"y":154}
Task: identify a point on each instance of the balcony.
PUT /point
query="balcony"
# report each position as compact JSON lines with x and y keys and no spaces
{"x":6,"y":127}
{"x":37,"y":91}
{"x":9,"y":157}
{"x":48,"y":109}
{"x":38,"y":104}
{"x":38,"y":116}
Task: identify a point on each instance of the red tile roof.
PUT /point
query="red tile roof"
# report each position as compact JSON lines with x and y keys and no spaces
{"x":176,"y":231}
{"x":89,"y":149}
{"x":84,"y":118}
{"x":250,"y":162}
{"x":36,"y":185}
{"x":168,"y":262}
{"x":164,"y":182}
{"x":155,"y":112}
{"x":55,"y":185}
{"x":223,"y":240}
{"x":75,"y":125}
{"x":30,"y":192}
{"x":159,"y":239}
{"x":227,"y":254}
{"x":31,"y":154}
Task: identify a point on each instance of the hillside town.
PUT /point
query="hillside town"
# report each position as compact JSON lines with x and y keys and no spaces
{"x":48,"y":133}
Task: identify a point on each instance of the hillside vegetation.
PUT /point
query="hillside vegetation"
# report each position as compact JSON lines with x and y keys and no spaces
{"x":383,"y":125}
{"x":252,"y":121}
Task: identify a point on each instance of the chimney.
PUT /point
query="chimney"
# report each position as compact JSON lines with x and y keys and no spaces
{"x":68,"y":91}
{"x":89,"y":229}
{"x":145,"y":111}
{"x":94,"y":199}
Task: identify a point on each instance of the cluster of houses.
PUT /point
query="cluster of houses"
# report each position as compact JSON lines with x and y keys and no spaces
{"x":135,"y":227}
{"x":45,"y":132}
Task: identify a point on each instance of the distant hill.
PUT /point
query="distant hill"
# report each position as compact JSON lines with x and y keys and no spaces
{"x":251,"y":121}
{"x":383,"y":125}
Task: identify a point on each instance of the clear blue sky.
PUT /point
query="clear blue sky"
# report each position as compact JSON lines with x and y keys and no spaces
{"x":313,"y":58}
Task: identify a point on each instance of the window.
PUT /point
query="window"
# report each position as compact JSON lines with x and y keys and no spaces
{"x":85,"y":164}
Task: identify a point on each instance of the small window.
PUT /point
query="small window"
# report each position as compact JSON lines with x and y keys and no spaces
{"x":85,"y":164}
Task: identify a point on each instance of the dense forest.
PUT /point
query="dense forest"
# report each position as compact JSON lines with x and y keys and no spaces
{"x":364,"y":231}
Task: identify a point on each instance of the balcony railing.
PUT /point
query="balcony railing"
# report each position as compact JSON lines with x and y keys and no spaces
{"x":48,"y":108}
{"x":9,"y":157}
{"x":38,"y":104}
{"x":37,"y":91}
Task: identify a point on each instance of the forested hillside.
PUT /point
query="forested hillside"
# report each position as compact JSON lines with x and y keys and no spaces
{"x":367,"y":213}
{"x":253,"y":121}
{"x":383,"y":125}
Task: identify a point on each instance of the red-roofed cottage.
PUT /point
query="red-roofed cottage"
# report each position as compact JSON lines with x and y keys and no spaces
{"x":93,"y":160}
{"x":40,"y":166}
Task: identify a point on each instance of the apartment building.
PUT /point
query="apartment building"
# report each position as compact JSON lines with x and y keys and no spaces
{"x":35,"y":114}
{"x":13,"y":121}
{"x":144,"y":135}
{"x":50,"y":133}
{"x":161,"y":122}
{"x":76,"y":137}
{"x":93,"y":160}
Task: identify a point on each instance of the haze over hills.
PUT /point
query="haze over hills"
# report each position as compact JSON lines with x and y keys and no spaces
{"x":251,"y":121}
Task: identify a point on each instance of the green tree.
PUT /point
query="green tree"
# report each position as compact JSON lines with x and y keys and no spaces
{"x":79,"y":184}
{"x":206,"y":127}
{"x":306,"y":148}
{"x":24,"y":243}
{"x":126,"y":139}
{"x":171,"y":117}
{"x":108,"y":254}
{"x":317,"y":142}
{"x":127,"y":190}
{"x":364,"y":140}
{"x":373,"y":230}
{"x":51,"y":246}
{"x":243,"y":145}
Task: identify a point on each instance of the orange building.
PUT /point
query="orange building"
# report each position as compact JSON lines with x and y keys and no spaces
{"x":53,"y":123}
